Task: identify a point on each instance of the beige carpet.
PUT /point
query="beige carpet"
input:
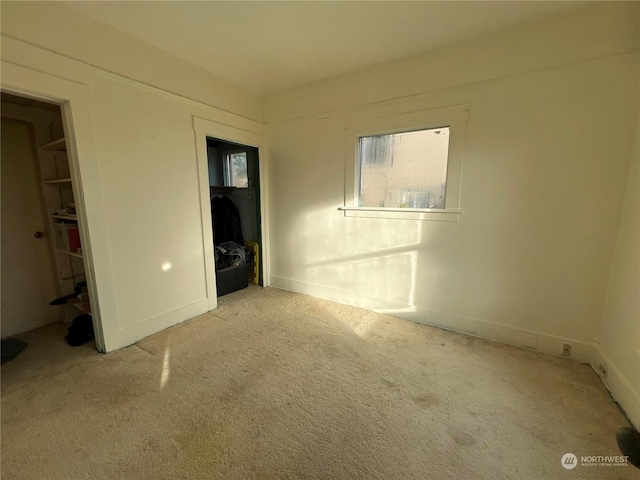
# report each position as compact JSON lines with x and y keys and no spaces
{"x":278,"y":385}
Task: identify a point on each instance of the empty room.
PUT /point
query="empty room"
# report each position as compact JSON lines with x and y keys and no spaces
{"x":330,"y":240}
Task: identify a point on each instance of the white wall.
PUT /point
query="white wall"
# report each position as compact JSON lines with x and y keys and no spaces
{"x":552,"y":112}
{"x":137,"y":157}
{"x":619,"y":338}
{"x":56,"y":28}
{"x":598,"y":31}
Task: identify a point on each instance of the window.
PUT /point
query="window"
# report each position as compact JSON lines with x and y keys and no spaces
{"x":404,"y":170}
{"x":235,"y":169}
{"x":406,"y":165}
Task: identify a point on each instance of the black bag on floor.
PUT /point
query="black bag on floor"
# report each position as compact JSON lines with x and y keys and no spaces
{"x":80,"y":331}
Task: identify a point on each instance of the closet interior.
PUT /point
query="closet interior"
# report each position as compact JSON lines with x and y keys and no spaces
{"x":43,"y":266}
{"x":234,"y":187}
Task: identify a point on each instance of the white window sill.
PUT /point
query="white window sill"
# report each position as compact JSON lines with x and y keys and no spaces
{"x":437,"y":214}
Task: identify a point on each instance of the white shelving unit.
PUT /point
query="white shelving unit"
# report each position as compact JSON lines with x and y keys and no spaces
{"x":66,"y":252}
{"x":59,"y":182}
{"x":58,"y":195}
{"x":64,"y":217}
{"x":58,"y":145}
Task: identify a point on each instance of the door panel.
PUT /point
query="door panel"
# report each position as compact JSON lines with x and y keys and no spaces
{"x":27,"y":278}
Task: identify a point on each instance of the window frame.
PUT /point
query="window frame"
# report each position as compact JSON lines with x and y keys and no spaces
{"x":454,"y":117}
{"x":226,"y":166}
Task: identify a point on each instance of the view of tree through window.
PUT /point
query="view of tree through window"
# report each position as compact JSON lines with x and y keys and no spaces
{"x":236,"y":170}
{"x":404,"y":170}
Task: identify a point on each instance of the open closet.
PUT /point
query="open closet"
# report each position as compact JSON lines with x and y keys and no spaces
{"x":43,"y":267}
{"x":234,"y":187}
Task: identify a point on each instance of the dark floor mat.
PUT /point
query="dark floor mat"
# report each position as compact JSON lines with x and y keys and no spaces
{"x":11,"y":348}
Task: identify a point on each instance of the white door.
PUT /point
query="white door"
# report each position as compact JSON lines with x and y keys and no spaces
{"x":27,"y":276}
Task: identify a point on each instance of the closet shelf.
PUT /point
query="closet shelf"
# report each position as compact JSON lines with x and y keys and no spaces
{"x":65,"y":217}
{"x":61,"y":182}
{"x":220,"y":190}
{"x":57,"y":145}
{"x":79,"y":307}
{"x":73,"y":254}
{"x":73,"y":277}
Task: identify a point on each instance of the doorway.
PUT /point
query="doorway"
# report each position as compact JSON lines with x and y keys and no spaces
{"x":44,"y":278}
{"x":234,"y":190}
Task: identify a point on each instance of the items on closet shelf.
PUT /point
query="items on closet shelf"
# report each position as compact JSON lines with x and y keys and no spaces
{"x":81,"y":329}
{"x":80,"y":297}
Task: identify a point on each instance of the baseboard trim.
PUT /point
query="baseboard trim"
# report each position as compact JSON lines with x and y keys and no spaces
{"x":549,"y":344}
{"x":581,"y":351}
{"x":619,"y":387}
{"x":134,"y":333}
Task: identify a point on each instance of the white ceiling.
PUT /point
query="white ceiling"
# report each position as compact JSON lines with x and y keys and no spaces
{"x":268,"y":46}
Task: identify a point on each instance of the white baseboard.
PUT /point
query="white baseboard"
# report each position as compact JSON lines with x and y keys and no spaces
{"x":130,"y":335}
{"x":583,"y":352}
{"x":549,"y":344}
{"x":619,"y":387}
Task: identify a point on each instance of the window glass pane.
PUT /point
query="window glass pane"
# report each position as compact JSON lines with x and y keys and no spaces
{"x":404,"y":170}
{"x":237,"y":168}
